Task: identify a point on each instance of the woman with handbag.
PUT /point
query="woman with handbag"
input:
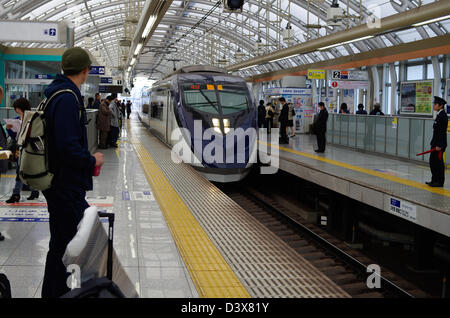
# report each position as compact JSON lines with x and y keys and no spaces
{"x":20,"y":106}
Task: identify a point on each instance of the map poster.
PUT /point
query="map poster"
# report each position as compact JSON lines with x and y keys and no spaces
{"x":416,"y":97}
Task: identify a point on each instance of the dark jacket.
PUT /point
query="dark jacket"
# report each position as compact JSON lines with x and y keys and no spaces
{"x":96,"y":104}
{"x":128,"y":107}
{"x":284,"y":114}
{"x":361,"y":112}
{"x":104,"y":117}
{"x":440,"y":131}
{"x":376,"y":111}
{"x":261,"y":113}
{"x":69,"y":157}
{"x":320,"y":125}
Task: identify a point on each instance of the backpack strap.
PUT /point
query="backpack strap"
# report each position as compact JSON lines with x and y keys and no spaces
{"x":47,"y":101}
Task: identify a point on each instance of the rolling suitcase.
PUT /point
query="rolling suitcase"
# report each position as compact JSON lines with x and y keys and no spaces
{"x":102,"y":287}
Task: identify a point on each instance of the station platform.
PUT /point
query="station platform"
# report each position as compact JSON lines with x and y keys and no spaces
{"x":176,"y":234}
{"x":394,"y":185}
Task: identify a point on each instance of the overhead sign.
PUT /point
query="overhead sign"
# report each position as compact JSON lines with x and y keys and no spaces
{"x":316,"y":74}
{"x":287,"y":91}
{"x":97,"y":70}
{"x":416,"y":97}
{"x":45,"y":76}
{"x":30,"y":31}
{"x":106,"y":80}
{"x":350,"y":84}
{"x":350,"y":75}
{"x":110,"y":89}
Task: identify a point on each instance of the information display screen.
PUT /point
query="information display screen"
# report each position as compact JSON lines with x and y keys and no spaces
{"x":110,"y":89}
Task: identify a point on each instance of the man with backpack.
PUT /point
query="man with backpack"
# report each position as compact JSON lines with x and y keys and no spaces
{"x":71,"y":163}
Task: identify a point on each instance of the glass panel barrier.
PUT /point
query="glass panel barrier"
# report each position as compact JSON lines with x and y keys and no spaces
{"x":380,"y":134}
{"x":403,"y":138}
{"x":369,"y":140}
{"x":416,"y":138}
{"x":344,"y":130}
{"x":361,"y":131}
{"x":428,"y":135}
{"x":352,"y":131}
{"x":391,"y":136}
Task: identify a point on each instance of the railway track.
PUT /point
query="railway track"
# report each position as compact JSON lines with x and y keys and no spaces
{"x":345,"y":266}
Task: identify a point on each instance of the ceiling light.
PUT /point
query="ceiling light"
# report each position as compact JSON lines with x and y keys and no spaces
{"x":246,"y":68}
{"x":431,"y":21}
{"x":133,"y":60}
{"x":282,"y":58}
{"x":346,"y":42}
{"x":148,"y":27}
{"x":138,"y":49}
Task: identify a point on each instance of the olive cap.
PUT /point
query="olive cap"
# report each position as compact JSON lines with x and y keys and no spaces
{"x":75,"y":60}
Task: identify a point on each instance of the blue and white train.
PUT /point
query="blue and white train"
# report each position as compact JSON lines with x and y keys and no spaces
{"x":224,"y":103}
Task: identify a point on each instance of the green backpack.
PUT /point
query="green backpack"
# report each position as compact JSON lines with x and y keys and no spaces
{"x":32,"y":140}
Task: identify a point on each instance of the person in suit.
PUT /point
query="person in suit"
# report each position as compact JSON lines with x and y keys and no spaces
{"x":261,"y":114}
{"x":361,"y":110}
{"x":320,"y":128}
{"x":439,"y":141}
{"x":283,"y":119}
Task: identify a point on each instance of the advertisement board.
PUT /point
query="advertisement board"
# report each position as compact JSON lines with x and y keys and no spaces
{"x":416,"y":97}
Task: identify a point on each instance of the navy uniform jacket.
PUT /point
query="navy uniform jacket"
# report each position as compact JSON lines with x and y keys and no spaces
{"x":69,"y":157}
{"x":321,"y":122}
{"x":284,"y":114}
{"x":440,"y":131}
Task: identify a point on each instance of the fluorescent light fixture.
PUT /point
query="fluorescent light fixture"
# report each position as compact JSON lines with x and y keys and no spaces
{"x":283,"y":58}
{"x":346,"y":42}
{"x":129,"y":69}
{"x":133,"y":60}
{"x":431,"y":21}
{"x":246,"y":68}
{"x":148,"y":27}
{"x":138,"y":49}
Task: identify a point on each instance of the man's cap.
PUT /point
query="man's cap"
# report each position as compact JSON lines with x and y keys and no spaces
{"x":75,"y":60}
{"x":438,"y":100}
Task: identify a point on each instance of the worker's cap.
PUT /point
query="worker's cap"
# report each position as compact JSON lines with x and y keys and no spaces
{"x":75,"y":60}
{"x":438,"y":100}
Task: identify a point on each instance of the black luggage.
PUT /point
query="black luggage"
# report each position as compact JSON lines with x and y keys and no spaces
{"x":102,"y":287}
{"x":5,"y":287}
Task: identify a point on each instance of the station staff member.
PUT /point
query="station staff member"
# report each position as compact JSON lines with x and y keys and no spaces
{"x":439,"y":141}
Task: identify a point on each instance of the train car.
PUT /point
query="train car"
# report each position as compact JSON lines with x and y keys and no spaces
{"x":221,"y":103}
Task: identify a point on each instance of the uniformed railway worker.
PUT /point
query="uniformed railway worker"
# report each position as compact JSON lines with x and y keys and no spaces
{"x":439,"y":141}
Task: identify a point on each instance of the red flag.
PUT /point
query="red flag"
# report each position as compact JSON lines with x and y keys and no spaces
{"x":431,"y":150}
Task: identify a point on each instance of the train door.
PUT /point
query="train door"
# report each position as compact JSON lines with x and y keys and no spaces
{"x":170,"y":116}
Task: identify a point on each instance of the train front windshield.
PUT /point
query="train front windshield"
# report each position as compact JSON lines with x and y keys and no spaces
{"x":216,"y":99}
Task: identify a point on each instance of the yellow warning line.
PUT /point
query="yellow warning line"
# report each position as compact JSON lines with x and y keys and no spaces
{"x":8,"y":176}
{"x":407,"y":182}
{"x":212,"y":276}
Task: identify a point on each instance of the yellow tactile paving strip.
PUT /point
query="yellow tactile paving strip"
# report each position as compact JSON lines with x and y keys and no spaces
{"x":403,"y":181}
{"x":212,"y":276}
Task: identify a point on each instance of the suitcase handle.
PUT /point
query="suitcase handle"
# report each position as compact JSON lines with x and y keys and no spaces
{"x":110,"y":216}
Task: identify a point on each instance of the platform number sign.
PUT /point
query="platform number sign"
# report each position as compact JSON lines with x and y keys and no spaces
{"x":336,"y":75}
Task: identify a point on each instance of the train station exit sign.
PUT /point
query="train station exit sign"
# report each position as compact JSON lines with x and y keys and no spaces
{"x":316,"y":74}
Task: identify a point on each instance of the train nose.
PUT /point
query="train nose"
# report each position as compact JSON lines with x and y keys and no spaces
{"x":221,"y":126}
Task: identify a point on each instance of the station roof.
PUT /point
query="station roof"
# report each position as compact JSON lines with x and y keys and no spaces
{"x":221,"y":37}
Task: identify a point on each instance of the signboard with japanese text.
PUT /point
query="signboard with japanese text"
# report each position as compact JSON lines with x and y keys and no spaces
{"x":350,"y":75}
{"x":416,"y":97}
{"x":97,"y":70}
{"x":316,"y":74}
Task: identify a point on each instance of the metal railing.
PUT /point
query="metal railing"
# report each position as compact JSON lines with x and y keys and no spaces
{"x":91,"y":114}
{"x":397,"y":136}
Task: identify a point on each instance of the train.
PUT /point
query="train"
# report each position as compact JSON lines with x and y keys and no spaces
{"x":208,"y":118}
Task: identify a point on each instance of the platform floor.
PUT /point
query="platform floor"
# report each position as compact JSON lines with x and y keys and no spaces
{"x":370,"y":178}
{"x":142,"y":240}
{"x":177,"y":235}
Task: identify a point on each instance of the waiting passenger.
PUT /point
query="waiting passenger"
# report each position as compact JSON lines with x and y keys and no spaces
{"x":361,"y":110}
{"x":320,"y":128}
{"x":116,"y":115}
{"x":128,"y":109}
{"x":90,"y":104}
{"x":104,"y":122}
{"x":290,"y":123}
{"x":20,"y":106}
{"x":343,"y":109}
{"x":70,"y":162}
{"x":439,"y":142}
{"x":97,"y":101}
{"x":269,"y":117}
{"x":376,"y":110}
{"x":283,"y":120}
{"x":261,"y":114}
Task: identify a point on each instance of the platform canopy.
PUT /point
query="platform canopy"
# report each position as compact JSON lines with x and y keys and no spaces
{"x":191,"y":32}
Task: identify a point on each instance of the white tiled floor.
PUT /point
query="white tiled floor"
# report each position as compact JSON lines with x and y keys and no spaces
{"x":142,"y":239}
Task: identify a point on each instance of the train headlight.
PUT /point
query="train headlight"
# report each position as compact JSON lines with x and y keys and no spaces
{"x":216,"y":125}
{"x":226,"y":125}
